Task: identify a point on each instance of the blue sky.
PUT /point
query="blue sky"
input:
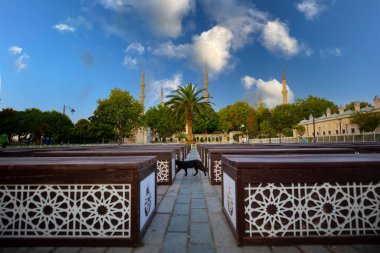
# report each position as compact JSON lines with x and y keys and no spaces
{"x":74,"y":52}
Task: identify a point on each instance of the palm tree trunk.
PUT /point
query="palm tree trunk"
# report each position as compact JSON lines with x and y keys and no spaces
{"x":189,"y":122}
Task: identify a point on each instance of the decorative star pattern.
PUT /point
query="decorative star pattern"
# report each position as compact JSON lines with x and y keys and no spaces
{"x":65,"y":210}
{"x":162,"y":171}
{"x":218,"y":171}
{"x":321,"y":209}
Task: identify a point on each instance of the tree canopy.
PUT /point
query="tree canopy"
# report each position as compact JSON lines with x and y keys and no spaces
{"x":121,"y":111}
{"x":187,"y":101}
{"x":366,"y":121}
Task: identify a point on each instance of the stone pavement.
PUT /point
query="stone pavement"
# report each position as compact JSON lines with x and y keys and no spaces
{"x":190,"y":219}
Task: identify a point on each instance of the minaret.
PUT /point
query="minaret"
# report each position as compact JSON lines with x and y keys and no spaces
{"x":142,"y":87}
{"x":162,"y":96}
{"x":260,"y":102}
{"x":205,"y":85}
{"x":284,"y":90}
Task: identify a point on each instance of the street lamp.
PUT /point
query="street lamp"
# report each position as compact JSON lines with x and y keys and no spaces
{"x":242,"y":131}
{"x":63,"y":117}
{"x":312,"y":114}
{"x":268,"y":114}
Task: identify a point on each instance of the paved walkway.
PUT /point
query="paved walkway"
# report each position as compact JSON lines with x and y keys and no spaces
{"x":190,"y":219}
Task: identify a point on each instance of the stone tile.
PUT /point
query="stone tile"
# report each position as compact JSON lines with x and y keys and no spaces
{"x":183,"y":199}
{"x":179,"y":223}
{"x":313,"y":249}
{"x":197,"y":196}
{"x":223,"y":235}
{"x":93,"y":250}
{"x":166,"y":205}
{"x":146,"y":249}
{"x":29,"y":249}
{"x":200,"y":233}
{"x":175,"y":243}
{"x":161,"y":191}
{"x":342,"y":249}
{"x":184,"y":191}
{"x":67,"y":250}
{"x":213,"y":204}
{"x":256,"y":249}
{"x":119,"y":250}
{"x":285,"y":249}
{"x":156,"y":230}
{"x":201,"y":248}
{"x":198,"y":203}
{"x":199,"y":215}
{"x":181,"y":209}
{"x":367,"y":248}
{"x":229,"y":250}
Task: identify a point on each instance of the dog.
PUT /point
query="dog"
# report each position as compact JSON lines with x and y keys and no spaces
{"x":184,"y":165}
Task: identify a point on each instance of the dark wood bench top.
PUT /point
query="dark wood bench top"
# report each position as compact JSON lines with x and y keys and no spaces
{"x":106,"y":152}
{"x":282,"y":150}
{"x":303,"y":161}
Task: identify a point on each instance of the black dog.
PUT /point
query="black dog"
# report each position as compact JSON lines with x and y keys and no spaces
{"x":196,"y":164}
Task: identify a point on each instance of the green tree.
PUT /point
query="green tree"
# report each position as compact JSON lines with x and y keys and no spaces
{"x":351,"y":106}
{"x":283,"y":118}
{"x":187,"y":101}
{"x":81,"y":131}
{"x":315,"y":105}
{"x":54,"y":123}
{"x":234,"y":116}
{"x":8,"y":122}
{"x":162,"y":122}
{"x":366,"y":121}
{"x":100,"y":132}
{"x":300,"y":129}
{"x":207,"y":123}
{"x":121,"y":111}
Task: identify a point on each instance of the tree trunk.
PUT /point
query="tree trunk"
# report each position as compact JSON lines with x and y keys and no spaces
{"x":189,"y":123}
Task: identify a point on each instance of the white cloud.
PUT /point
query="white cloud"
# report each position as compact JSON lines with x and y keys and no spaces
{"x":242,"y":20}
{"x":135,"y":47}
{"x":310,"y":8}
{"x":248,"y":81}
{"x":164,"y":16}
{"x":20,"y":62}
{"x":212,"y":46}
{"x":64,"y":27}
{"x":276,"y":38}
{"x":270,"y":92}
{"x":15,"y":50}
{"x":330,"y":52}
{"x":168,"y":85}
{"x":130,"y":61}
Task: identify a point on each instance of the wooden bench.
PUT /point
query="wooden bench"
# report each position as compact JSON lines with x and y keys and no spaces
{"x":297,"y":199}
{"x":76,"y":201}
{"x":165,"y":159}
{"x":214,"y":161}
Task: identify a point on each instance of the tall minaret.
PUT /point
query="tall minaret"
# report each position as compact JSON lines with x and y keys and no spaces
{"x":142,"y":86}
{"x":205,"y":85}
{"x":260,"y":102}
{"x":162,"y":96}
{"x":284,"y":90}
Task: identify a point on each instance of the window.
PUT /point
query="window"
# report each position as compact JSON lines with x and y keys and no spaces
{"x":344,"y":131}
{"x":353,"y":130}
{"x":329,"y":132}
{"x":336,"y":131}
{"x":324,"y":133}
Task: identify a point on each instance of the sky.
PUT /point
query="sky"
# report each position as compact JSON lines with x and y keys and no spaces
{"x":55,"y":53}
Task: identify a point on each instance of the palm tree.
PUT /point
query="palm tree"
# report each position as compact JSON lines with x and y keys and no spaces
{"x":185,"y":102}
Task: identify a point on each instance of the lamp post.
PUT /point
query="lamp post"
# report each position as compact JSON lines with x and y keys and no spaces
{"x":312,"y":114}
{"x":268,"y":114}
{"x":242,"y":132}
{"x":63,"y":117}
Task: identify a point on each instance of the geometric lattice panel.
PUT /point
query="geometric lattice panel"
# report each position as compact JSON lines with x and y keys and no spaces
{"x":321,"y":209}
{"x":162,"y":171}
{"x":65,"y":210}
{"x":218,"y":170}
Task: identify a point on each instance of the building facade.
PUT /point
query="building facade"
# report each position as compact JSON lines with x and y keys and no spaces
{"x":336,"y":124}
